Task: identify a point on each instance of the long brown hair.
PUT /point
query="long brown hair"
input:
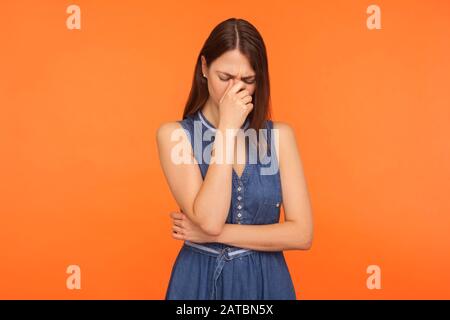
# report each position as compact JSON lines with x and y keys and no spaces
{"x":229,"y":35}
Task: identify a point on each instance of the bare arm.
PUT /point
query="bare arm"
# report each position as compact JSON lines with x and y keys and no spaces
{"x":194,"y":196}
{"x":297,"y":230}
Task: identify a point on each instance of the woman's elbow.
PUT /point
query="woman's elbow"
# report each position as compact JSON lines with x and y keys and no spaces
{"x":208,"y":227}
{"x":303,"y":245}
{"x":306,"y":245}
{"x":305,"y":242}
{"x":212,"y":229}
{"x":207,"y":224}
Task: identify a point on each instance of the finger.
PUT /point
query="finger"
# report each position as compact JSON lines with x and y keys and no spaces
{"x":247,"y":108}
{"x":243,"y":93}
{"x":247,"y":99}
{"x":176,"y":215}
{"x":177,"y":230}
{"x":230,"y":84}
{"x":177,"y":236}
{"x":237,"y":86}
{"x":178,"y":223}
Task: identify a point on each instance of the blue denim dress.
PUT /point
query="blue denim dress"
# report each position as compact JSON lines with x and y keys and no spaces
{"x":217,"y":271}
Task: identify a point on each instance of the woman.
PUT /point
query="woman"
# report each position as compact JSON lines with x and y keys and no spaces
{"x":229,"y":205}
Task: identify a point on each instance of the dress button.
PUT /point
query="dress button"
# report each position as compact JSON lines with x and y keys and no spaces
{"x":239,"y":215}
{"x":239,"y":189}
{"x":239,"y":207}
{"x":278,"y":204}
{"x":239,"y":197}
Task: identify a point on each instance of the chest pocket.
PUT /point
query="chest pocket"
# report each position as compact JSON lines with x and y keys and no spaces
{"x":268,"y":212}
{"x":269,"y":200}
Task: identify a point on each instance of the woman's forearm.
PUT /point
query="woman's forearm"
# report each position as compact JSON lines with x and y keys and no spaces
{"x":215,"y":191}
{"x":268,"y":237}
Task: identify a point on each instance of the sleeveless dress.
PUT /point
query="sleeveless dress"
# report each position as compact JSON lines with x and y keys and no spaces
{"x":218,"y":271}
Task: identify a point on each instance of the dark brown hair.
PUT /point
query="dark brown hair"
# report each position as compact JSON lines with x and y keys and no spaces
{"x":229,"y":35}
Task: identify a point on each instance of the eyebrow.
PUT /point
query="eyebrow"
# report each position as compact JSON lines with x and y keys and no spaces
{"x":232,"y":76}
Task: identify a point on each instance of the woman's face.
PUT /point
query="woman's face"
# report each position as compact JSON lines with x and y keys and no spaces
{"x":231,"y":66}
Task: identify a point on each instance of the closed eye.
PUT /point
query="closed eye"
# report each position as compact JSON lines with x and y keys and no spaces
{"x":246,"y":81}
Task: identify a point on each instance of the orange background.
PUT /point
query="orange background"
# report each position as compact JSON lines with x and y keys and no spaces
{"x":80,"y":176}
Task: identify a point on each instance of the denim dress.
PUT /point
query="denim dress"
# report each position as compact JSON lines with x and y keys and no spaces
{"x":218,"y":271}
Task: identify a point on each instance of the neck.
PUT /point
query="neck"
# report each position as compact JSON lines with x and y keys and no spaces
{"x":211,"y":112}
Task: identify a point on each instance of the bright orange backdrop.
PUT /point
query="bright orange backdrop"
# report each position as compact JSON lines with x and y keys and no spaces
{"x":80,"y":177}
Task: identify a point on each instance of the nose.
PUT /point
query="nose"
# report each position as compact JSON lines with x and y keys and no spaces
{"x":236,"y":81}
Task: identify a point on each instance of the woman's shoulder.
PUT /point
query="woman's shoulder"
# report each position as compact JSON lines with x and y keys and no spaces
{"x":166,"y":128}
{"x":282,"y":125}
{"x":170,"y":130}
{"x":282,"y":128}
{"x":284,"y":135}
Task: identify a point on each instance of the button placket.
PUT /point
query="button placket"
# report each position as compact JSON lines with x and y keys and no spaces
{"x":239,"y":205}
{"x":238,"y":185}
